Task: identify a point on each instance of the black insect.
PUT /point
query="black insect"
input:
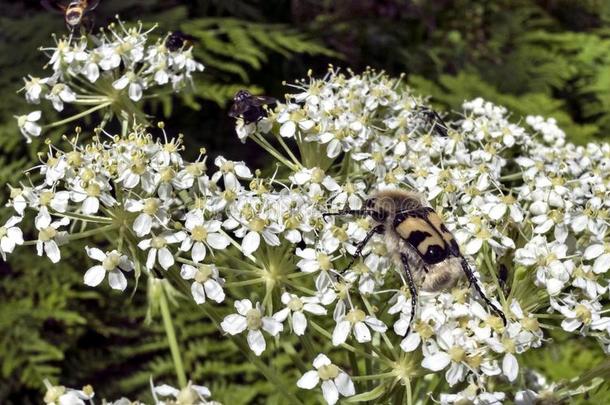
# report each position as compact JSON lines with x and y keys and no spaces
{"x":250,"y":108}
{"x":434,"y":120}
{"x":177,"y":40}
{"x":76,"y":12}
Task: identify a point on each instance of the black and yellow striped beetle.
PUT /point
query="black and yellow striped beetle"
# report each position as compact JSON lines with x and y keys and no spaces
{"x":418,"y":240}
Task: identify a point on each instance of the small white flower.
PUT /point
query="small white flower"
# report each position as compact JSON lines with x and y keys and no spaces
{"x":135,"y":85}
{"x":360,"y":323}
{"x":296,"y":307}
{"x":252,"y":319}
{"x":114,"y":263}
{"x":202,"y":233}
{"x":157,"y":247}
{"x":28,"y":126}
{"x":190,"y":395}
{"x":334,"y":380}
{"x":49,"y":237}
{"x":206,"y":282}
{"x":10,"y":236}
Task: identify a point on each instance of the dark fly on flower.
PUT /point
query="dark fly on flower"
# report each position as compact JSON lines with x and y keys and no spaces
{"x":76,"y":12}
{"x":250,"y":108}
{"x":177,"y":40}
{"x":434,"y":120}
{"x":418,"y":241}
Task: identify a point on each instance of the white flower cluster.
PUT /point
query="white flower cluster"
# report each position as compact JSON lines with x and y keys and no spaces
{"x":515,"y":197}
{"x":162,"y":395}
{"x":114,"y":67}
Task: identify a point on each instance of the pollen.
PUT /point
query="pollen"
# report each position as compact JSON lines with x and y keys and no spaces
{"x":199,"y":233}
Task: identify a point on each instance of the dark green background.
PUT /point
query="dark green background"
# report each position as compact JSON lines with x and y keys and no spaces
{"x":535,"y":57}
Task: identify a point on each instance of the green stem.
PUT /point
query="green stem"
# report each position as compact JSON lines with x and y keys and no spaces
{"x":77,"y":116}
{"x":288,"y":151}
{"x":171,"y":339}
{"x":92,"y":232}
{"x":492,"y":271}
{"x":380,"y":376}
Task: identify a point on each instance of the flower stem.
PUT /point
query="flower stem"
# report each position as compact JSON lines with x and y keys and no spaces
{"x":77,"y":116}
{"x":171,"y":339}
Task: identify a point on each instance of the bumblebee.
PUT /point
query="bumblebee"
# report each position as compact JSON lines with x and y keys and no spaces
{"x":419,"y":242}
{"x":75,"y":12}
{"x":250,"y":108}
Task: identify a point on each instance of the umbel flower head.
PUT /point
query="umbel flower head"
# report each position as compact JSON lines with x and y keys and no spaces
{"x":107,"y":71}
{"x":516,"y":196}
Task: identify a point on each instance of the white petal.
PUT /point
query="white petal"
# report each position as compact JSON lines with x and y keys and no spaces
{"x":243,"y":306}
{"x":473,"y":246}
{"x":375,"y":324}
{"x":436,"y":362}
{"x":288,"y":129}
{"x":593,"y":251}
{"x":117,"y":280}
{"x":321,"y":360}
{"x":242,"y":171}
{"x":167,"y":390}
{"x":234,"y":324}
{"x":142,"y":225}
{"x":341,"y":331}
{"x":510,"y":367}
{"x":602,"y":264}
{"x":214,"y":290}
{"x":188,"y":272}
{"x":94,"y":276}
{"x":411,"y":342}
{"x":345,"y":385}
{"x":308,"y":380}
{"x":52,"y":251}
{"x":362,"y":333}
{"x":218,"y":241}
{"x":135,"y":91}
{"x":256,"y":341}
{"x":299,"y":323}
{"x":95,"y":254}
{"x":330,"y":392}
{"x":121,"y":83}
{"x":166,"y":260}
{"x":198,"y":252}
{"x":198,"y":293}
{"x":250,"y":242}
{"x":315,"y":309}
{"x":272,"y":326}
{"x":34,"y":115}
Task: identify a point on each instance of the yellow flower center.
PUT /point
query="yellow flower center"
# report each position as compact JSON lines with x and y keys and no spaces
{"x":158,"y":242}
{"x":111,"y":261}
{"x":328,"y":372}
{"x":324,"y":261}
{"x":295,"y":304}
{"x":355,"y":315}
{"x":151,"y":205}
{"x":457,"y":354}
{"x":199,"y":233}
{"x":46,"y":234}
{"x":203,"y":274}
{"x":254,"y":319}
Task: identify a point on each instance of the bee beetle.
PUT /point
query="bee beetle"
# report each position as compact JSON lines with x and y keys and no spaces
{"x":419,"y":242}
